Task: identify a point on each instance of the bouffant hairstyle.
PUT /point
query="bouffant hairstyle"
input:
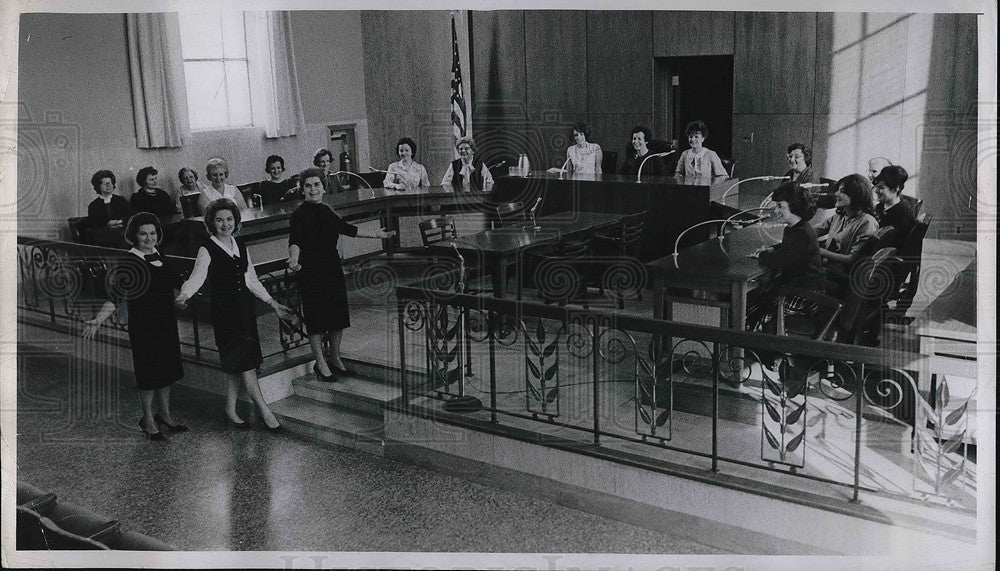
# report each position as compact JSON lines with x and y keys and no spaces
{"x":466,"y":141}
{"x":215,"y":207}
{"x":319,"y":153}
{"x":859,"y":191}
{"x":646,"y":132}
{"x":143,"y":174}
{"x":141,"y":219}
{"x":180,"y":173}
{"x":310,"y":172}
{"x":585,"y":128}
{"x":274,"y":159}
{"x":216,"y":162}
{"x":806,"y":152}
{"x":893,"y":176}
{"x":100,"y":175}
{"x":800,"y":201}
{"x":408,"y":141}
{"x":696,"y":125}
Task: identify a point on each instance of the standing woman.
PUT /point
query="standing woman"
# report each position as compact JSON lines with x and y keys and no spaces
{"x":699,"y":161}
{"x":217,"y":172}
{"x":225,"y":262}
{"x":406,"y":173}
{"x":584,"y":157}
{"x":152,"y":322}
{"x":312,"y":252}
{"x":106,"y":214}
{"x":150,"y":198}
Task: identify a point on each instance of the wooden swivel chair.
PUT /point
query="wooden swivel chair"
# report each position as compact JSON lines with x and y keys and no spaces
{"x":615,"y":261}
{"x":510,"y":213}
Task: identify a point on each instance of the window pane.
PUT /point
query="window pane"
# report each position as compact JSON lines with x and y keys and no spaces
{"x":238,"y":81}
{"x":206,"y":91}
{"x":201,"y":35}
{"x":233,"y":35}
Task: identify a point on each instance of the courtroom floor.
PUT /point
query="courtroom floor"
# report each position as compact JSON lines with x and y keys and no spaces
{"x":218,"y":489}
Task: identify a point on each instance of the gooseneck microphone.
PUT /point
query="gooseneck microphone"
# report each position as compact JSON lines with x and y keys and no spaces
{"x":638,"y":175}
{"x":739,"y":182}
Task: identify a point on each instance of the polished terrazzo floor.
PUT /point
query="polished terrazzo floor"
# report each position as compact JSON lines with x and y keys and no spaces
{"x":218,"y":489}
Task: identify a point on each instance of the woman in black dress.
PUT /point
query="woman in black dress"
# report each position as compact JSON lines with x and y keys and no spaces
{"x":224,"y":261}
{"x":312,"y":251}
{"x":145,"y":282}
{"x":106,"y":214}
{"x":150,"y":198}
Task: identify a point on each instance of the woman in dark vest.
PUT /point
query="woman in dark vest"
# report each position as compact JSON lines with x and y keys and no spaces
{"x":225,"y":262}
{"x":467,"y":173}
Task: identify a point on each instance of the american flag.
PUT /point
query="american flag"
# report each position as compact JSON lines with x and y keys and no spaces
{"x":459,"y":114}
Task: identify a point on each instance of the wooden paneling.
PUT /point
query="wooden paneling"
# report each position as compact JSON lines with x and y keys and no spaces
{"x":619,"y":62}
{"x":774,"y":62}
{"x":772,"y":134}
{"x":498,"y":53}
{"x":408,"y":85}
{"x":678,"y":34}
{"x":556,"y":61}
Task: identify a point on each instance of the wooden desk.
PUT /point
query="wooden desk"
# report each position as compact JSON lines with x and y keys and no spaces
{"x":498,"y":249}
{"x":184,"y":235}
{"x":672,"y":204}
{"x":718,"y":267}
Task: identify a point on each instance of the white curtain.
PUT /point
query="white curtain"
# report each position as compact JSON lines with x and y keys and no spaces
{"x":274,"y":83}
{"x":159,"y":101}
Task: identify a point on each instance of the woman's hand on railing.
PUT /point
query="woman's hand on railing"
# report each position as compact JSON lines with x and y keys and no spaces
{"x":284,"y":313}
{"x":293,"y":264}
{"x":90,"y":330}
{"x":181,"y":301}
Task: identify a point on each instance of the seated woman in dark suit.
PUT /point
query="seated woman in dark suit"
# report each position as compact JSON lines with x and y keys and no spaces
{"x":149,"y":198}
{"x":796,"y":259}
{"x":274,"y":189}
{"x":892,"y":210}
{"x":637,"y":151}
{"x":800,"y":160}
{"x":106,"y":214}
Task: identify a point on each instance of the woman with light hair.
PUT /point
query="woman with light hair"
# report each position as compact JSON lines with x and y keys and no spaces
{"x":217,"y":172}
{"x":467,"y":173}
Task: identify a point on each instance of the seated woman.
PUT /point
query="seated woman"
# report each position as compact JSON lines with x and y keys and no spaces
{"x":699,"y":161}
{"x":800,"y":158}
{"x":217,"y":172}
{"x":149,"y":198}
{"x":406,"y":173}
{"x":875,"y":166}
{"x":323,"y":160}
{"x":795,"y":260}
{"x":274,"y":189}
{"x":847,"y":230}
{"x":106,"y":214}
{"x":892,"y":210}
{"x":584,"y":157}
{"x":189,"y":181}
{"x":467,"y":173}
{"x":639,"y":151}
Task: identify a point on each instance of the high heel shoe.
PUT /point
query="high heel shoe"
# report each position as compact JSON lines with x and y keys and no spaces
{"x":233,"y":424}
{"x":170,"y":427}
{"x":324,"y":378}
{"x":152,"y":435}
{"x":276,"y":429}
{"x":345,"y":372}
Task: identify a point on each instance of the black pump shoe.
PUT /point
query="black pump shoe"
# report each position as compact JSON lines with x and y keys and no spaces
{"x":324,"y":378}
{"x":152,"y":435}
{"x":170,"y":427}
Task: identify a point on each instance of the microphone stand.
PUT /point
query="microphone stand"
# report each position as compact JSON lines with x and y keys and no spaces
{"x":688,"y":229}
{"x":638,"y":175}
{"x":535,"y":226}
{"x":739,"y":182}
{"x":355,"y":175}
{"x":562,"y":169}
{"x":729,"y":220}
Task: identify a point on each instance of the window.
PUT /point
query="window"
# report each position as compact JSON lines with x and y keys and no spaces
{"x":216,"y":69}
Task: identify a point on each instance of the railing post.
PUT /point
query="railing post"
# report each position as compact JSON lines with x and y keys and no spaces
{"x":401,"y":330}
{"x":491,"y":333}
{"x":857,"y":434}
{"x":197,"y":335}
{"x":716,"y":366}
{"x":597,"y":386}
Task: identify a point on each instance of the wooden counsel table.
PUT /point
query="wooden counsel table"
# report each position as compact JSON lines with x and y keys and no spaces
{"x":496,"y":250}
{"x":723,"y":268}
{"x":672,"y":203}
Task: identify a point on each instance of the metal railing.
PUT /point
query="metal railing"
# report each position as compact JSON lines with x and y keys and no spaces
{"x":589,"y":380}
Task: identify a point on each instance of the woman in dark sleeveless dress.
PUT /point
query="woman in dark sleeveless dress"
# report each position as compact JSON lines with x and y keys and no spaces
{"x":312,"y":251}
{"x":144,"y":282}
{"x":224,"y":261}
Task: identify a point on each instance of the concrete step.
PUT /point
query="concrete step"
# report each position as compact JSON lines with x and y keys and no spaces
{"x":330,"y":424}
{"x":353,"y":393}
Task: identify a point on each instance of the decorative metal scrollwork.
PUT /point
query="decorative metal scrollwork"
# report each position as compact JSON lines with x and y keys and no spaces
{"x":541,"y":364}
